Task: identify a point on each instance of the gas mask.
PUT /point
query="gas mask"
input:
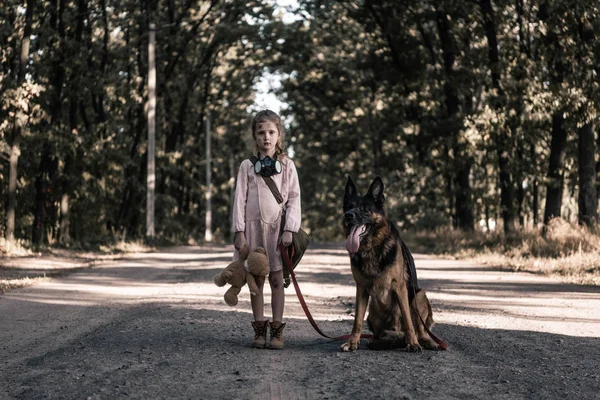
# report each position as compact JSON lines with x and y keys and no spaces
{"x":267,"y":166}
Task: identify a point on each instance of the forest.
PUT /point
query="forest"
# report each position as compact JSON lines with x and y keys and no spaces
{"x":479,"y":115}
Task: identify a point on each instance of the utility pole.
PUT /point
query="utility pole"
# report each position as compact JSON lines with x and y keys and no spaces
{"x":208,"y":237}
{"x":151,"y":177}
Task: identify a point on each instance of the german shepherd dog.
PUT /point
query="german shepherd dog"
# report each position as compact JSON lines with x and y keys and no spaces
{"x":384,"y":272}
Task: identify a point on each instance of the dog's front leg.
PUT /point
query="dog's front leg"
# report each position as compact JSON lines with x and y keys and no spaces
{"x":362,"y":299}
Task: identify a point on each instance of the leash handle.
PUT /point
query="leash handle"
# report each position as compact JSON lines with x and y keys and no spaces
{"x":288,"y":263}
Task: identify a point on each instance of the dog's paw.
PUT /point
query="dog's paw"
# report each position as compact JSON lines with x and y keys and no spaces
{"x":429,"y":344}
{"x":349,"y":346}
{"x":414,"y":348}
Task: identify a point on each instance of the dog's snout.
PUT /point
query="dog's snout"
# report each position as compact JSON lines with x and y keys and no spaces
{"x":349,"y":216}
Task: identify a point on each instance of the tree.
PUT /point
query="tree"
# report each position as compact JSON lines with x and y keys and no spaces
{"x":587,"y":200}
{"x":498,"y":103}
{"x":20,"y":120}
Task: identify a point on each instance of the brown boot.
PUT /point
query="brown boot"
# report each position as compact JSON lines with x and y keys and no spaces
{"x":276,"y":335}
{"x":260,"y":334}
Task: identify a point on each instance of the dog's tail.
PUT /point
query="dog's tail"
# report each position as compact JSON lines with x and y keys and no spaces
{"x":413,"y":283}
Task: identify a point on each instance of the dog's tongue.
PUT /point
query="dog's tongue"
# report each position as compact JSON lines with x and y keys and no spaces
{"x":353,"y":239}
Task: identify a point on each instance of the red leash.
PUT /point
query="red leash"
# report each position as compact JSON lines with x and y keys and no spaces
{"x":288,"y":262}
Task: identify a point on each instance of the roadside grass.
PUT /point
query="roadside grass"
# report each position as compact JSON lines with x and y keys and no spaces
{"x":8,"y":284}
{"x":20,"y":248}
{"x":569,"y":252}
{"x":14,"y":248}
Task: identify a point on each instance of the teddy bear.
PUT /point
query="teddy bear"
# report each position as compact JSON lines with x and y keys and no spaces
{"x":242,"y":271}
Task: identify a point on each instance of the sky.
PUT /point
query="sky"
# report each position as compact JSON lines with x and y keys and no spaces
{"x":270,"y":82}
{"x":264,"y":98}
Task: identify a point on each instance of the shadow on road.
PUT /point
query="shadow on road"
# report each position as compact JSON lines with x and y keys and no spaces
{"x":155,"y":349}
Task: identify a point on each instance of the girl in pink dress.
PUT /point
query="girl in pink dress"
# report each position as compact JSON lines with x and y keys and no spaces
{"x":257,"y":218}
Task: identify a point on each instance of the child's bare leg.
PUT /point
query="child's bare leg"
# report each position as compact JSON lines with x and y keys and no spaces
{"x":277,"y":295}
{"x":258,"y":301}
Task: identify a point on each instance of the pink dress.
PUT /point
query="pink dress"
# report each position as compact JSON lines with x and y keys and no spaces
{"x":257,"y":213}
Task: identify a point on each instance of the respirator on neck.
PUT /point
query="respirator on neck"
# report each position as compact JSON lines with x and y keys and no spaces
{"x":267,"y":166}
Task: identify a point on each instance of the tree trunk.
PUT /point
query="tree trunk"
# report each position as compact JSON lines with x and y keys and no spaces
{"x":535,"y":203}
{"x":535,"y":193}
{"x":507,"y":193}
{"x":64,"y":231}
{"x":520,"y":77}
{"x":555,"y":168}
{"x":44,"y":185}
{"x":64,"y":234}
{"x":598,"y":167}
{"x":132,"y":192}
{"x":462,"y":159}
{"x":380,"y":20}
{"x":588,"y":200}
{"x":449,"y":184}
{"x":556,"y":69}
{"x":519,"y":181}
{"x":464,"y":210}
{"x":46,"y":176}
{"x":15,"y":150}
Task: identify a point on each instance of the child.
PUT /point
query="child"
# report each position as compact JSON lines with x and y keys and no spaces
{"x":257,"y":217}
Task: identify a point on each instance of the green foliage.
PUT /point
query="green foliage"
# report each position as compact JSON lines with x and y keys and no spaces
{"x":83,"y":103}
{"x":405,"y":90}
{"x":367,"y":88}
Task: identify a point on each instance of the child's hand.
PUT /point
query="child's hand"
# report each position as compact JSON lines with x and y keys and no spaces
{"x":240,"y":240}
{"x":286,"y":238}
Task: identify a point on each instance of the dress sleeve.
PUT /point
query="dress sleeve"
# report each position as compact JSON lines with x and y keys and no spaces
{"x":239,"y":202}
{"x":293,"y":214}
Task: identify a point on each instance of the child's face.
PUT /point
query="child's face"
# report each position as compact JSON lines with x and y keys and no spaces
{"x":266,"y":136}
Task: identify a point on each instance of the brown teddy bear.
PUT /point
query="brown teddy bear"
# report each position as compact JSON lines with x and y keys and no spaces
{"x":242,"y":271}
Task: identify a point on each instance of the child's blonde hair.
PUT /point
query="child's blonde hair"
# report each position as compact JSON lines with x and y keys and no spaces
{"x":269,"y":116}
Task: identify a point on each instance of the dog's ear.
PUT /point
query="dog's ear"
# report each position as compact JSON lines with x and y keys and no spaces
{"x":350,"y":189}
{"x":376,"y":191}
